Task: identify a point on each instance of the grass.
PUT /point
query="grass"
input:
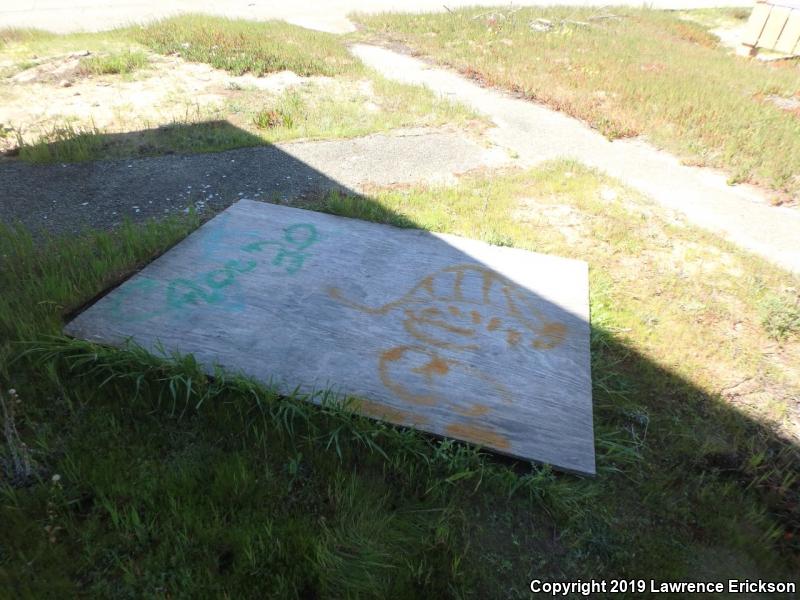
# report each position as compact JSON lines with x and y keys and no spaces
{"x":63,"y":143}
{"x":173,"y":484}
{"x":712,"y":18}
{"x":343,"y":110}
{"x":241,"y":46}
{"x":28,"y":47}
{"x":119,"y":63}
{"x":780,"y":316}
{"x":638,"y":72}
{"x":344,"y":99}
{"x":74,"y":143}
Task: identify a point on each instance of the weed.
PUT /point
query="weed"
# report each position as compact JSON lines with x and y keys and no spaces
{"x":62,"y":143}
{"x":780,"y":315}
{"x":19,"y":466}
{"x":242,"y":46}
{"x":288,"y":113}
{"x":113,"y":64}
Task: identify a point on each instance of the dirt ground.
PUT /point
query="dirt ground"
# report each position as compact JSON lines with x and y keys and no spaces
{"x":169,"y":90}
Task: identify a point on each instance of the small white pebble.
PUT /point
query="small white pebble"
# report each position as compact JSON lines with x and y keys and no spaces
{"x":56,"y":478}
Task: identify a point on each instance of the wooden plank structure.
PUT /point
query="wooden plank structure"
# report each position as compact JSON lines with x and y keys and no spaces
{"x":452,"y":336}
{"x":774,"y":25}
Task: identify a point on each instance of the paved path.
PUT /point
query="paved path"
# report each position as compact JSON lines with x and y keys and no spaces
{"x":328,"y":15}
{"x":72,"y":197}
{"x":535,"y":133}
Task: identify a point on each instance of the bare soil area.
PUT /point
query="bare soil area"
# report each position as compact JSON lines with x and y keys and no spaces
{"x":169,"y":90}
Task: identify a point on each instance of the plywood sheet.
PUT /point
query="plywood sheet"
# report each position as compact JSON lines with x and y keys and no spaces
{"x":455,"y":337}
{"x":755,"y":24}
{"x":774,"y":26}
{"x":790,"y":36}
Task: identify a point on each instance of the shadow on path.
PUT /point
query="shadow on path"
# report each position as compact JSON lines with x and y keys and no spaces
{"x":67,"y":198}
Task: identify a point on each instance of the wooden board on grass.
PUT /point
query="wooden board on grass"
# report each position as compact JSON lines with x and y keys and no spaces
{"x":455,"y":337}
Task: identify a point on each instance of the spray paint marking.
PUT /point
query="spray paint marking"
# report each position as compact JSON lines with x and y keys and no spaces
{"x":135,"y":301}
{"x":458,"y":309}
{"x":299,"y":236}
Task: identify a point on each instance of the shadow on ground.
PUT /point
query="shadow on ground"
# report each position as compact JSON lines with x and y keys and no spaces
{"x":69,"y":197}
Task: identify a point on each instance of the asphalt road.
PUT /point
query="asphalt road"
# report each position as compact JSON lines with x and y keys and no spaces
{"x":69,"y":198}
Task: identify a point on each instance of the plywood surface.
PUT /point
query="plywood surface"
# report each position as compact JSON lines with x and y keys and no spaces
{"x":790,"y":36}
{"x":755,"y":24}
{"x":772,"y":30}
{"x":458,"y":338}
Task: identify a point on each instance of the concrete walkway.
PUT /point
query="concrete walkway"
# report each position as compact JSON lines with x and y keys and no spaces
{"x":65,"y":16}
{"x":535,"y":133}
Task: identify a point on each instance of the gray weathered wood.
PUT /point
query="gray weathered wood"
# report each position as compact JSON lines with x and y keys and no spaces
{"x":455,"y":337}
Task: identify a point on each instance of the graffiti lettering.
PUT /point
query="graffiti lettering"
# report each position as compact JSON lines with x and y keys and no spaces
{"x":299,"y":237}
{"x":136,"y":299}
